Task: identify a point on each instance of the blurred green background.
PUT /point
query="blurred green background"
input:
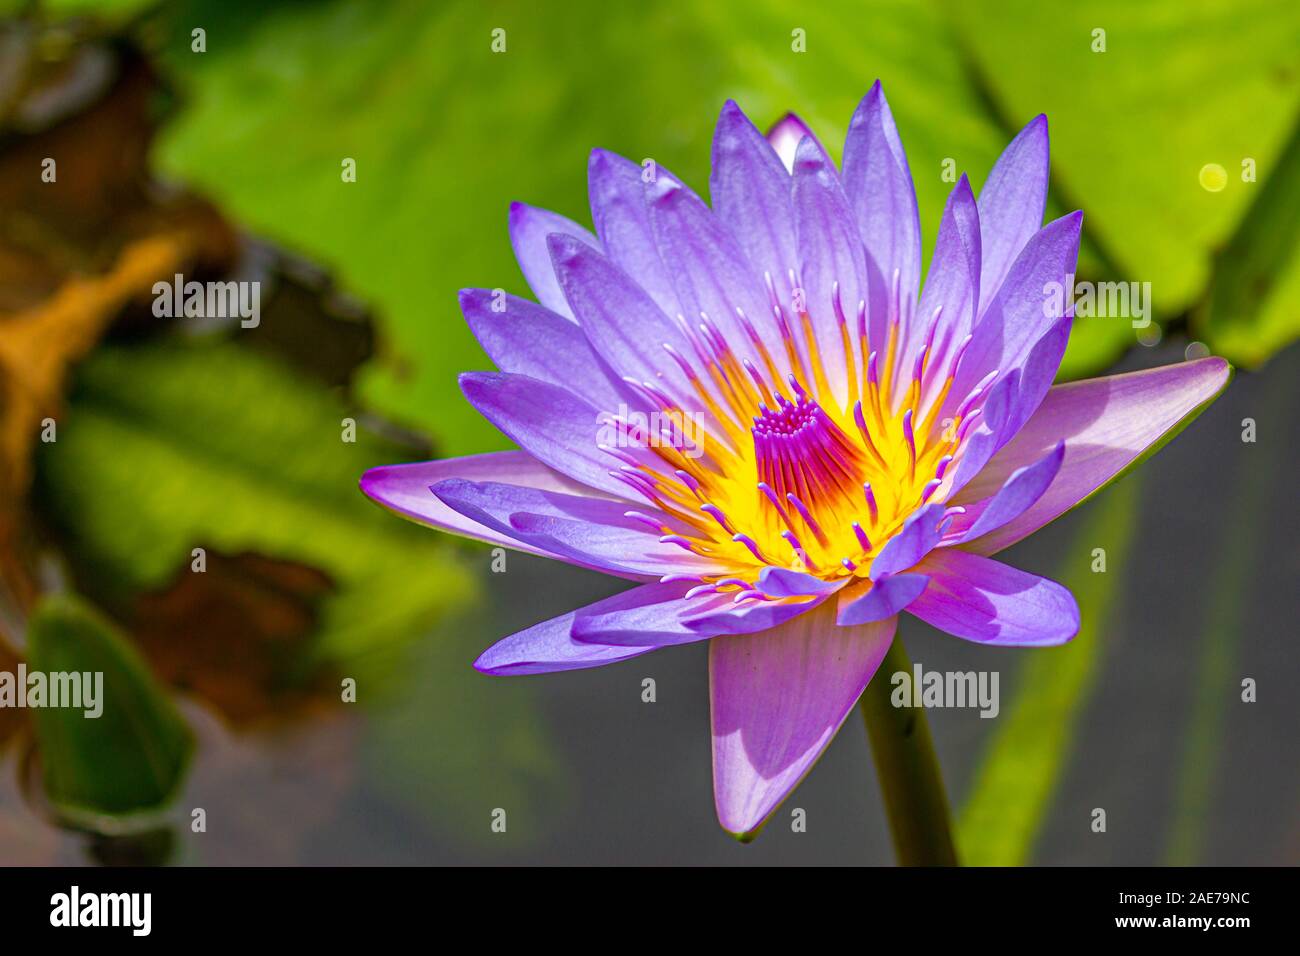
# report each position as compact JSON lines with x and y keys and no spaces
{"x":172,"y":439}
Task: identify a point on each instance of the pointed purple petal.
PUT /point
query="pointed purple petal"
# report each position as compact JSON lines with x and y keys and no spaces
{"x":750,"y":192}
{"x":710,"y":272}
{"x":404,"y":489}
{"x":832,"y":260}
{"x":1036,"y":377}
{"x":1022,"y":311}
{"x":986,"y":438}
{"x":782,"y":582}
{"x":777,"y":700}
{"x":1025,"y":486}
{"x":529,"y":227}
{"x":523,"y":337}
{"x":622,"y":221}
{"x":549,"y":646}
{"x":952,"y":285}
{"x":987,"y":601}
{"x":589,"y":532}
{"x":876,"y":600}
{"x":649,"y":616}
{"x":879,"y":186}
{"x":1011,"y":204}
{"x":552,"y":424}
{"x":920,"y":533}
{"x":622,"y":323}
{"x":627,"y":548}
{"x":1107,"y":424}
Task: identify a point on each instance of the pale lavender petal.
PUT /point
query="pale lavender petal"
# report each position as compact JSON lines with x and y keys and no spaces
{"x":951,"y":288}
{"x":785,"y":135}
{"x":1036,"y":377}
{"x":589,"y":532}
{"x":986,"y":437}
{"x":404,"y":490}
{"x":529,"y":227}
{"x":832,"y":260}
{"x":1023,"y":310}
{"x":552,"y":424}
{"x":1025,"y":486}
{"x":750,"y":192}
{"x":626,"y":548}
{"x":625,"y":327}
{"x":1011,"y":204}
{"x":777,"y":700}
{"x":920,"y":533}
{"x":783,"y":582}
{"x":993,"y":603}
{"x":879,"y":186}
{"x":648,"y":615}
{"x":710,"y":272}
{"x":622,"y":222}
{"x":523,"y":337}
{"x":1108,"y":425}
{"x":877,"y":600}
{"x":548,"y":647}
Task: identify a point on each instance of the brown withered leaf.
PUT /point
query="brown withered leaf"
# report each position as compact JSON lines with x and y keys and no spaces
{"x":10,"y":717}
{"x":237,"y":635}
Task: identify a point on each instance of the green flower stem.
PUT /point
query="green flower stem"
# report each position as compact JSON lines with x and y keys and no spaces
{"x":910,"y":780}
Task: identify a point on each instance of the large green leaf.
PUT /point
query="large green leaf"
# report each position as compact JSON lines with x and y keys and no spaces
{"x":131,"y":757}
{"x":1181,"y":84}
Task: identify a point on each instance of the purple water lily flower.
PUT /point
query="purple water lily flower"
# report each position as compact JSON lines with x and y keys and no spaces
{"x":756,"y":411}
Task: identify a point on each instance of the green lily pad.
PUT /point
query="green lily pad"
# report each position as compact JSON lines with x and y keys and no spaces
{"x":127,"y":759}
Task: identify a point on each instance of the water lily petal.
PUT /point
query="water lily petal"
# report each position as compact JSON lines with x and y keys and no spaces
{"x":778,"y":699}
{"x":870,"y":601}
{"x":785,"y":135}
{"x":750,"y":192}
{"x":589,"y":532}
{"x":404,"y":490}
{"x":526,"y":338}
{"x":832,"y":265}
{"x":622,"y":222}
{"x":919,"y":534}
{"x":1022,"y":311}
{"x":624,"y":548}
{"x":952,"y":287}
{"x":987,"y":601}
{"x":711,"y":273}
{"x":555,"y":426}
{"x":1107,"y":424}
{"x":1011,"y":204}
{"x":648,"y":615}
{"x":549,"y":646}
{"x":879,"y":186}
{"x":1025,"y":486}
{"x":529,"y":227}
{"x":1036,"y":377}
{"x":783,"y":582}
{"x":985,"y":439}
{"x":621,"y":321}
